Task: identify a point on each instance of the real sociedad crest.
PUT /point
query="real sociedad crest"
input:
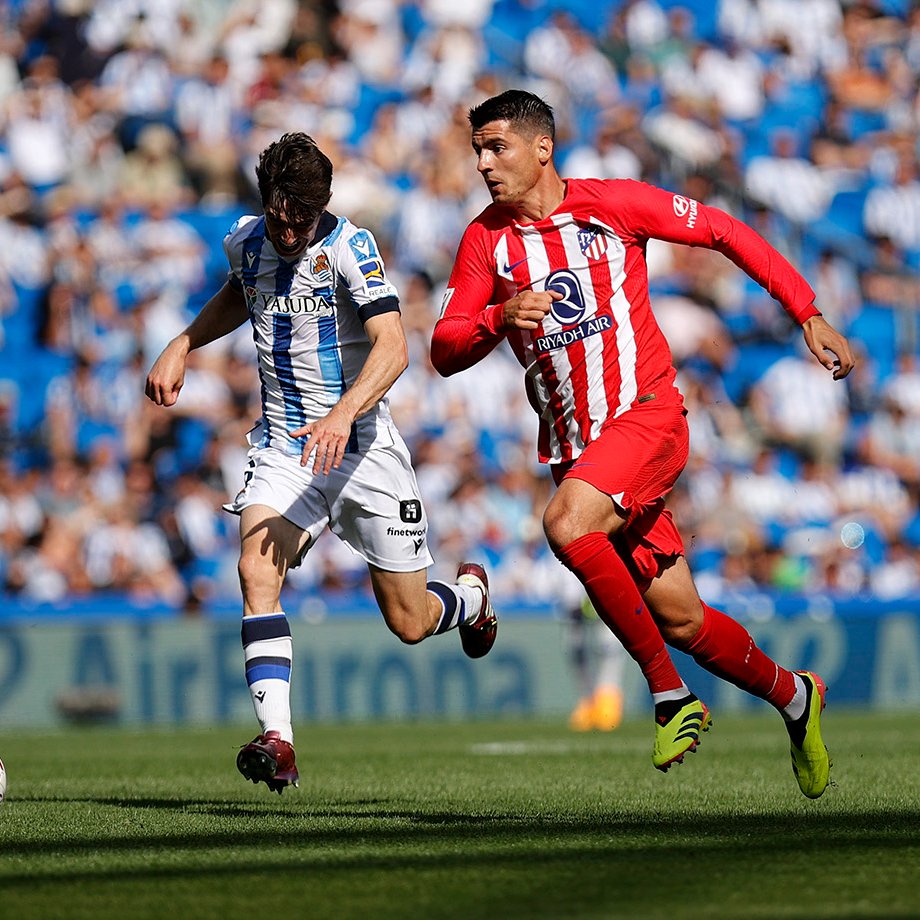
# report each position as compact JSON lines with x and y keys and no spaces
{"x":572,"y":306}
{"x":592,"y":242}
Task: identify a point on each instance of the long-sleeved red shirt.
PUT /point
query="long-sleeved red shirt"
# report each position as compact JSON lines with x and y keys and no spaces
{"x":599,"y":349}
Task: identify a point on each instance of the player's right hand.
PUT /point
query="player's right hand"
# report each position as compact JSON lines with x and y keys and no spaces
{"x":166,"y":376}
{"x":829,"y":346}
{"x":527,"y":309}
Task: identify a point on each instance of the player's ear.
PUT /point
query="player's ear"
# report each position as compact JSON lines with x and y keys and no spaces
{"x":544,"y":149}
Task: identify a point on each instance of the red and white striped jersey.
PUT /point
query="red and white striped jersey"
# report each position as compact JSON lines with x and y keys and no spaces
{"x":599,"y":350}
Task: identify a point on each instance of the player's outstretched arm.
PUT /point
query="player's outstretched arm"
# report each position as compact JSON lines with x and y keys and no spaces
{"x":828,"y":346}
{"x":328,"y":436}
{"x":223,"y":313}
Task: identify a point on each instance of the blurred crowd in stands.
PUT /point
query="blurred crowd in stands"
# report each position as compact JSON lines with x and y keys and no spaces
{"x":129,"y":131}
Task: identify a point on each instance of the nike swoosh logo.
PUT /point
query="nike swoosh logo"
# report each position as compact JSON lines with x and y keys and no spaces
{"x":510,"y":268}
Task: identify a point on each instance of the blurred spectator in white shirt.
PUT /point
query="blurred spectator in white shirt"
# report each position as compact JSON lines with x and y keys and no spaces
{"x":892,"y":441}
{"x":836,"y":286}
{"x":429,"y":223}
{"x":796,"y":404}
{"x":170,"y":251}
{"x":447,"y":59}
{"x":137,"y":85}
{"x":676,"y":128}
{"x":370,"y":34}
{"x":563,"y":52}
{"x":38,"y":120}
{"x":789,"y":183}
{"x":206,"y":115}
{"x":733,"y":76}
{"x":898,"y":574}
{"x":472,"y":14}
{"x":894,"y":211}
{"x":250,"y":29}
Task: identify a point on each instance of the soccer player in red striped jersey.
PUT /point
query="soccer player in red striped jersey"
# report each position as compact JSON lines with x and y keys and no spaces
{"x":557,"y":267}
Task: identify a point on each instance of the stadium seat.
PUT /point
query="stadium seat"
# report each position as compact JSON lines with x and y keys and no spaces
{"x":21,"y":326}
{"x":370,"y":99}
{"x":877,"y":328}
{"x":865,"y":121}
{"x":841,"y":228}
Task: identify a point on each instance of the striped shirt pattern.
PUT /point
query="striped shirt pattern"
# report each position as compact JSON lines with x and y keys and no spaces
{"x":308,"y":320}
{"x":599,"y":350}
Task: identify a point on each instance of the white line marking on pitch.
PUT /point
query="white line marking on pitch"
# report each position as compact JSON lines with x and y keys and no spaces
{"x":503,"y":748}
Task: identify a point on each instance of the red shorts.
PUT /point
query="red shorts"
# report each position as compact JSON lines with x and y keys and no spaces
{"x":636,"y":460}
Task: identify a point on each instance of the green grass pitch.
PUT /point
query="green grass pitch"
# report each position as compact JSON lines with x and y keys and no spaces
{"x":472,"y":820}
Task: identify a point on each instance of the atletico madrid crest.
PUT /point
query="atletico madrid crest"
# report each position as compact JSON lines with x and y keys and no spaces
{"x":592,"y":242}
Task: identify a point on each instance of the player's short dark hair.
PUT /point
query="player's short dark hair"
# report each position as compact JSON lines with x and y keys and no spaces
{"x":520,"y":109}
{"x":295,"y":177}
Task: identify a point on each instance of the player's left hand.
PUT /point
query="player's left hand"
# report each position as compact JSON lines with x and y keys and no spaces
{"x":828,"y":346}
{"x":327,"y":439}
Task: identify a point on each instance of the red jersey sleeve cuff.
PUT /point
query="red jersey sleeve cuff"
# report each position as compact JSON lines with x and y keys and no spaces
{"x":801,"y":314}
{"x":495,"y":320}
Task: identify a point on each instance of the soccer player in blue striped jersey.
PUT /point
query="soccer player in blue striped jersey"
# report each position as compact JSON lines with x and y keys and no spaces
{"x":330,"y":344}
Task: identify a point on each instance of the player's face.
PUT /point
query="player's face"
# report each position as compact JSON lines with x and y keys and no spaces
{"x":289,"y":239}
{"x":509,"y":164}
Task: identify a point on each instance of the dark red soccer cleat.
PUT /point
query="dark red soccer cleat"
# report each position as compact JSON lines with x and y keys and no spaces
{"x":267,"y":759}
{"x":478,"y":636}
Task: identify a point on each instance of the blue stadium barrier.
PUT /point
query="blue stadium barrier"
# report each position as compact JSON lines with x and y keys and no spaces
{"x":348,"y":667}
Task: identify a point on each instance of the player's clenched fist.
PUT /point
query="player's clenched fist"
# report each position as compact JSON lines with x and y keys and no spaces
{"x":167,"y":375}
{"x":527,"y":309}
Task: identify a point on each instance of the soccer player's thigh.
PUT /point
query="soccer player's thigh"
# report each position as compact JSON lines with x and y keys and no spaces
{"x":378,"y":513}
{"x":281,"y":513}
{"x":269,"y":542}
{"x":637,"y":459}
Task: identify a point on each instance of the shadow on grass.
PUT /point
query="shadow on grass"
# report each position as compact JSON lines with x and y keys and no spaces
{"x":378,"y":838}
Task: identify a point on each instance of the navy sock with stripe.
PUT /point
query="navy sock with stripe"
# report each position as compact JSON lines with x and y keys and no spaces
{"x":458,"y":602}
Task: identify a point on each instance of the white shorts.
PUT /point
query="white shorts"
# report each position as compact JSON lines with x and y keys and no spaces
{"x":371,"y":502}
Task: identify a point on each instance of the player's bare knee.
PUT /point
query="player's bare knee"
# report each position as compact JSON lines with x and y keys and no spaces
{"x":561,"y":527}
{"x":679,"y":628}
{"x":257,"y":575}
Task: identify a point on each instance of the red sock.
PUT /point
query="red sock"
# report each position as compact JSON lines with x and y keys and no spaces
{"x":725,"y":648}
{"x":619,"y":604}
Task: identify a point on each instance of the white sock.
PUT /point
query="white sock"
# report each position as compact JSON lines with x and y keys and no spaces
{"x":472,"y":601}
{"x":796,"y":708}
{"x":268,"y":652}
{"x":459,"y":604}
{"x":677,"y":694}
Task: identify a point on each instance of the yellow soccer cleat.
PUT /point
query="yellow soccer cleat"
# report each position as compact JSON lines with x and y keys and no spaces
{"x":678,"y":726}
{"x":810,"y":761}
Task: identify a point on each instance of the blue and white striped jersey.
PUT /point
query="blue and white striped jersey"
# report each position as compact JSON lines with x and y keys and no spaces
{"x":308,"y":320}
